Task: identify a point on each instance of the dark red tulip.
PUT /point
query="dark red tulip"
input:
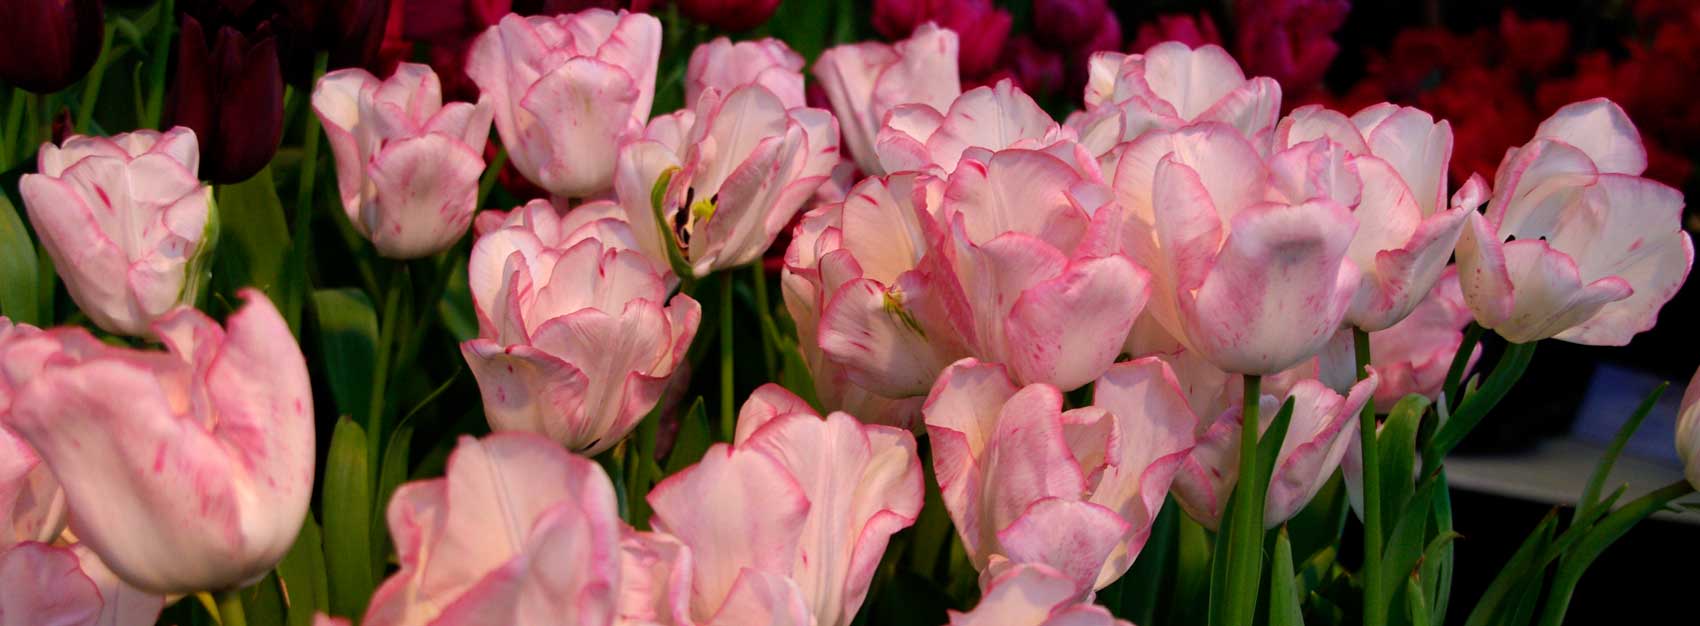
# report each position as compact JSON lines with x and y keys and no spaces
{"x":732,"y":15}
{"x":1065,"y":24}
{"x":49,"y":44}
{"x":981,"y":27}
{"x":895,"y":19}
{"x":231,"y":94}
{"x":441,"y":21}
{"x":1190,"y":30}
{"x":1037,"y":69}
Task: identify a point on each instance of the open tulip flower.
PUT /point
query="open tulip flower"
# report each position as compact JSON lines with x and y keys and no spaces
{"x":1575,"y":245}
{"x":866,"y":81}
{"x":1033,"y":595}
{"x":918,"y":137}
{"x":1398,"y":157}
{"x":723,"y":66}
{"x":737,"y":168}
{"x":1169,"y":86}
{"x":184,"y":471}
{"x":32,"y":507}
{"x":568,"y":90}
{"x":127,"y":222}
{"x":1023,"y":268}
{"x":1324,"y":423}
{"x":1076,"y":490}
{"x":388,"y":135}
{"x":1249,"y":258}
{"x":794,"y":514}
{"x":53,"y":585}
{"x":577,"y":337}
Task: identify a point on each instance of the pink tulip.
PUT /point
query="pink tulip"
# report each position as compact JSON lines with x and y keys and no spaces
{"x":126,"y":222}
{"x":795,"y":514}
{"x":407,"y":164}
{"x":185,"y":471}
{"x":741,"y":166}
{"x":120,"y":603}
{"x":1033,"y":595}
{"x":723,"y":66}
{"x":518,"y":531}
{"x":865,"y":81}
{"x":1021,"y":267}
{"x":1249,"y":258}
{"x":320,"y":619}
{"x":1075,"y":490}
{"x":1688,"y":431}
{"x":568,"y":90}
{"x":1413,"y":356}
{"x":1394,"y":171}
{"x":918,"y":137}
{"x":1169,"y":86}
{"x":41,"y":584}
{"x":577,"y":338}
{"x":32,"y":507}
{"x":1575,"y":244}
{"x":877,"y":234}
{"x":1324,"y":423}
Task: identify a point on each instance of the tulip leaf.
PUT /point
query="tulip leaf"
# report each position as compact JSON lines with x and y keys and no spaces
{"x":347,"y":504}
{"x":391,"y":475}
{"x":1602,"y":469}
{"x":693,"y":441}
{"x":18,"y":291}
{"x":348,"y":340}
{"x":254,"y":242}
{"x":1283,"y":590}
{"x":456,"y":308}
{"x":301,"y":576}
{"x":262,"y":602}
{"x":1405,"y":543}
{"x":1520,"y":571}
{"x":1397,"y":452}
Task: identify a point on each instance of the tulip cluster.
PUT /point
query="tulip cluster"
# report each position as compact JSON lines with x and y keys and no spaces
{"x":1183,"y":292}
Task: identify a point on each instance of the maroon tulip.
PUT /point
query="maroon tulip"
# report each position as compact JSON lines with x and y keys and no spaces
{"x":1064,"y":24}
{"x":49,"y":44}
{"x":982,"y":28}
{"x":1039,"y":70}
{"x":231,"y":94}
{"x":733,"y":15}
{"x":896,"y":19}
{"x":448,"y":21}
{"x":1194,"y":31}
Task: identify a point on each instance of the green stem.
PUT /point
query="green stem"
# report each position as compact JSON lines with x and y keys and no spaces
{"x":1373,"y":609}
{"x":727,"y":407}
{"x":1245,"y":546}
{"x":1461,"y":361}
{"x":91,"y":84}
{"x":381,"y":372}
{"x":309,"y":152}
{"x":1607,"y":532}
{"x":230,"y":608}
{"x":157,"y":59}
{"x":9,"y":140}
{"x":1472,"y":409}
{"x":491,"y":175}
{"x":758,"y":276}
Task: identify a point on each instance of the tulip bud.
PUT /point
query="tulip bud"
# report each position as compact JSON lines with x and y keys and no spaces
{"x":185,"y":471}
{"x":407,"y":165}
{"x":128,"y":225}
{"x":49,"y":43}
{"x":732,"y":15}
{"x":1688,"y":431}
{"x":231,"y":95}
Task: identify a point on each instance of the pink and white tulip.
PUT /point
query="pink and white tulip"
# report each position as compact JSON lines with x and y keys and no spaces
{"x":1394,"y":179}
{"x":866,"y":81}
{"x":723,"y":66}
{"x":1324,"y":423}
{"x":1075,"y":490}
{"x":1688,"y":431}
{"x":577,"y":338}
{"x":1575,"y":245}
{"x":567,"y":91}
{"x":1169,"y":86}
{"x":32,"y":507}
{"x":1249,"y":257}
{"x":407,"y":165}
{"x":1413,"y":356}
{"x":518,"y":531}
{"x":126,"y":222}
{"x":184,"y":471}
{"x":796,"y":513}
{"x":740,"y":165}
{"x":1024,"y":268}
{"x":919,"y":137}
{"x":41,"y":584}
{"x":1033,"y":595}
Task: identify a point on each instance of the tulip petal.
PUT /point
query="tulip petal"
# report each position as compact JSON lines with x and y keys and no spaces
{"x":413,"y":218}
{"x":1602,"y":130}
{"x":121,"y":604}
{"x":594,"y":101}
{"x":1072,"y":536}
{"x":43,"y":586}
{"x":1627,"y":227}
{"x":1057,"y":328}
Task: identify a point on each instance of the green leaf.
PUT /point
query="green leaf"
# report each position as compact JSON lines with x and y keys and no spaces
{"x":1283,"y":592}
{"x":1601,"y":536}
{"x":348,"y":339}
{"x":456,"y":308}
{"x":1397,"y":451}
{"x":254,"y":242}
{"x":693,"y":440}
{"x":1416,"y":603}
{"x":1437,"y":570}
{"x":1142,"y":586}
{"x":390,"y":476}
{"x":1477,"y":403}
{"x":18,"y":291}
{"x":1602,"y":469}
{"x":347,"y":504}
{"x":1405,"y":544}
{"x":301,"y":575}
{"x":1519,"y":572}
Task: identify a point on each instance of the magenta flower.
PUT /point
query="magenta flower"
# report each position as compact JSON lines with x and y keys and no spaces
{"x":49,"y":43}
{"x":126,"y":221}
{"x":407,"y":164}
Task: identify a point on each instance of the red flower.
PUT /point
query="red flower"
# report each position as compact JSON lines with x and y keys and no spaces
{"x":1535,"y":46}
{"x":1289,"y":40}
{"x":1194,"y":31}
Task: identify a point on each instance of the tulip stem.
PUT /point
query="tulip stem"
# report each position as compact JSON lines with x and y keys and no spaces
{"x":491,"y":175}
{"x":230,"y":608}
{"x":381,"y":371}
{"x":1460,"y":362}
{"x":726,"y":363}
{"x":158,"y":58}
{"x":91,"y":85}
{"x":1244,"y":540}
{"x":1373,"y":611}
{"x":309,"y":154}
